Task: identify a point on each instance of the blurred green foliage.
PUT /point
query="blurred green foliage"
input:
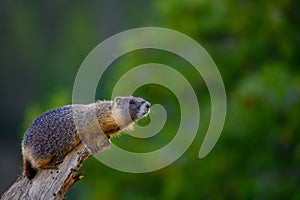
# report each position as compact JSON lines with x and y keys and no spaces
{"x":255,"y":44}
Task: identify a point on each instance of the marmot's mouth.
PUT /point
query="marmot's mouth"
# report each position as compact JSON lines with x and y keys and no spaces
{"x":144,"y":110}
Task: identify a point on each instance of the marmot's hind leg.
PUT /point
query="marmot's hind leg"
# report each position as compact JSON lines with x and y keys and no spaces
{"x":30,"y":170}
{"x":53,"y":163}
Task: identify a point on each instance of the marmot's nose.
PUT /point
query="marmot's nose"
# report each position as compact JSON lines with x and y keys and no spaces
{"x":147,"y":104}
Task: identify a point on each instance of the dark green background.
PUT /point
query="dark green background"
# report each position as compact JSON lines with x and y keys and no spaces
{"x":256,"y":46}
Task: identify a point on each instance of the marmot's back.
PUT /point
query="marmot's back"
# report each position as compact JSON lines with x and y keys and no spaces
{"x":54,"y":128}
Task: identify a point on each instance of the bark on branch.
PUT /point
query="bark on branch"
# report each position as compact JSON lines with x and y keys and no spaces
{"x":52,"y":183}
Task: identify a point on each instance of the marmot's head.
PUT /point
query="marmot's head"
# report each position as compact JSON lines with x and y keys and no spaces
{"x":121,"y":113}
{"x":126,"y":109}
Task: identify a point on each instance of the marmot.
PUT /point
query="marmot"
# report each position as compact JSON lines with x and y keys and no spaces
{"x":54,"y":133}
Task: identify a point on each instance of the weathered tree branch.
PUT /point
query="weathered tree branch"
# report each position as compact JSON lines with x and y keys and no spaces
{"x":52,"y":183}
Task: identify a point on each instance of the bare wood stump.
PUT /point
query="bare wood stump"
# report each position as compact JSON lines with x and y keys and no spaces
{"x":52,"y":183}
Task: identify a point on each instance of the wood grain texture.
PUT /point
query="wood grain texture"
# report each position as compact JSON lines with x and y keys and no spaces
{"x":52,"y":183}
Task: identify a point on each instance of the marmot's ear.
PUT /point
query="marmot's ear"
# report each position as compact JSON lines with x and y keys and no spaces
{"x":119,"y":101}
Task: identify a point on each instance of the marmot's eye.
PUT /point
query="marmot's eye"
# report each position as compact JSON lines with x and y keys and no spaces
{"x":131,"y":102}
